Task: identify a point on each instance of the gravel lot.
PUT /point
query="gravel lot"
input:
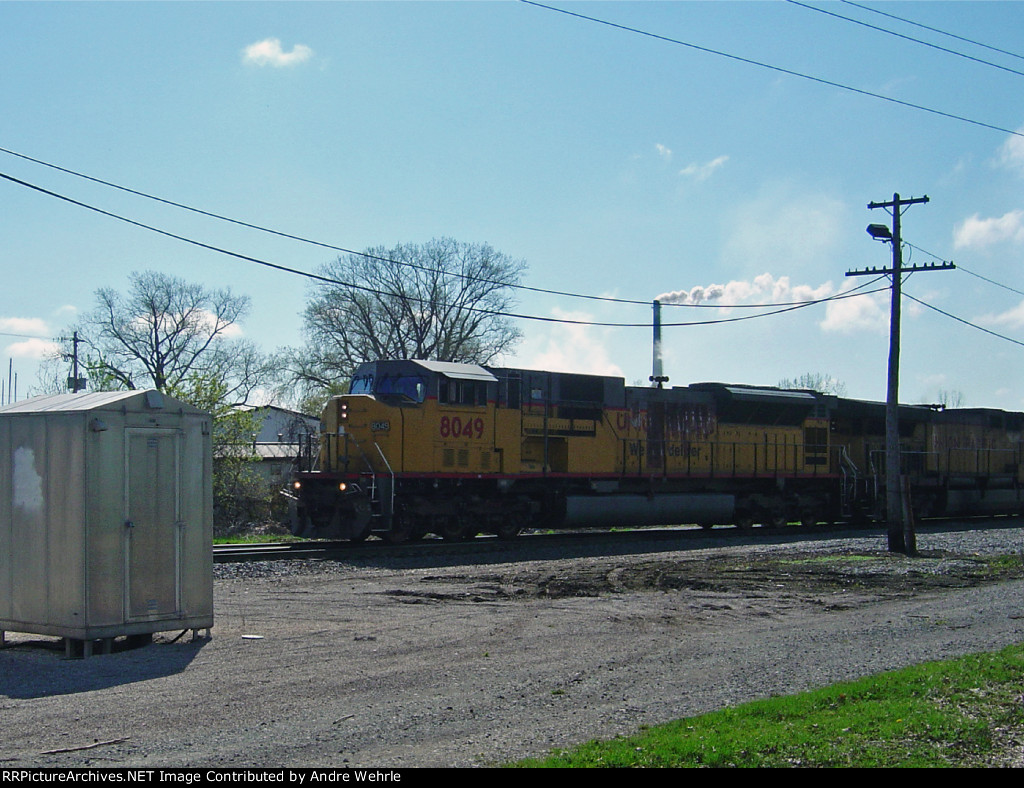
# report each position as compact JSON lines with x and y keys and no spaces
{"x":336,"y":664}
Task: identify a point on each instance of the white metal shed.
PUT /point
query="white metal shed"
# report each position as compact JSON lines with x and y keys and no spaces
{"x":106,"y":516}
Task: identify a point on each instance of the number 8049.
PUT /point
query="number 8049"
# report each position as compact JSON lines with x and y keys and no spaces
{"x":457,"y":427}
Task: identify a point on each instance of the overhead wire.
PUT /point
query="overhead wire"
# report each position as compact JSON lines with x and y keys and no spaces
{"x":961,"y":320}
{"x":990,"y":281}
{"x":376,"y":291}
{"x":403,"y":263}
{"x":24,"y":336}
{"x":905,"y":37}
{"x":960,"y":267}
{"x":777,"y":69}
{"x":932,"y":29}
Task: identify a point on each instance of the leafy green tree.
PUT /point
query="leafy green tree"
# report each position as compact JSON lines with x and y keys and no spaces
{"x":240,"y":496}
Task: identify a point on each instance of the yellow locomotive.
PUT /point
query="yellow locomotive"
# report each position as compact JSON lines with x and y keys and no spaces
{"x":421,"y":447}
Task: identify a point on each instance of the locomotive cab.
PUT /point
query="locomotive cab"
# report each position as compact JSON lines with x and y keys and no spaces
{"x":401,"y":423}
{"x":412,"y":417}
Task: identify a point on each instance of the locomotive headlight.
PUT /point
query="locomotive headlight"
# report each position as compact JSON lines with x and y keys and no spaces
{"x":342,"y":486}
{"x":344,"y":410}
{"x":296,"y":485}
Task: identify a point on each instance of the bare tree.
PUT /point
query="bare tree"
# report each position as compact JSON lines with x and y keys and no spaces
{"x":815,"y":381}
{"x":165,"y":331}
{"x":444,"y":301}
{"x":951,"y":398}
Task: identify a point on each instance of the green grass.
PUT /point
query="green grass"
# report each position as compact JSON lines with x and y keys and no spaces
{"x":936,"y":714}
{"x":255,"y":539}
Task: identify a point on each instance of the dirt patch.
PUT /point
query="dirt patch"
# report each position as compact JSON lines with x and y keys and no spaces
{"x":809,"y":576}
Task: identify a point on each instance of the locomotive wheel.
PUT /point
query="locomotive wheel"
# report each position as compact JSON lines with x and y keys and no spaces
{"x":508,"y":530}
{"x":362,"y":535}
{"x":744,"y":521}
{"x":778,"y":521}
{"x":401,"y":531}
{"x":454,"y":529}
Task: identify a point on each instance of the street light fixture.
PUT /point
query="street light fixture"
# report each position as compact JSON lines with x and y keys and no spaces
{"x":879,"y":232}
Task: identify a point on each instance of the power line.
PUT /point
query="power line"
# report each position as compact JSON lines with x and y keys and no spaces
{"x":374,"y":291}
{"x":991,"y":281}
{"x":24,"y":336}
{"x":905,"y":38}
{"x":415,"y":266}
{"x":777,"y":69}
{"x":961,"y":320}
{"x":968,"y":271}
{"x":933,"y":29}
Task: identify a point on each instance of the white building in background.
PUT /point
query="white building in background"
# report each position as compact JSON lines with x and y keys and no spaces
{"x":279,"y":425}
{"x":282,"y":435}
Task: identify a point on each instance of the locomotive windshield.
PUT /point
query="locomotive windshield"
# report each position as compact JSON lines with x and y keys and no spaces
{"x":410,"y":387}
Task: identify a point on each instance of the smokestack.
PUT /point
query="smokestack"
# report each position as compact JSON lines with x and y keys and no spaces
{"x":657,"y":377}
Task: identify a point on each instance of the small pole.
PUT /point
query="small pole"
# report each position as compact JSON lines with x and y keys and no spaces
{"x":658,"y":377}
{"x":74,"y":362}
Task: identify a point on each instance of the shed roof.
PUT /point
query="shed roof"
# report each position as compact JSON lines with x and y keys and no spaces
{"x":151,"y":399}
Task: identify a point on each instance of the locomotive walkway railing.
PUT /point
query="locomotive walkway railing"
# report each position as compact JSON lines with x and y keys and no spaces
{"x":730,"y":458}
{"x":985,"y":462}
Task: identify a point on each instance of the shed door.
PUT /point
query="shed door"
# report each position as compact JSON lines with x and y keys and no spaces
{"x":152,"y":554}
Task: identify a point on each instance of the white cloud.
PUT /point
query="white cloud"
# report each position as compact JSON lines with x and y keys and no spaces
{"x":701,"y":172}
{"x":664,"y":152}
{"x":571,"y":348}
{"x":976,"y":232}
{"x":857,"y":314}
{"x":1011,"y":318}
{"x":23,"y":325}
{"x":32,"y":348}
{"x":268,"y":52}
{"x":1011,"y":154}
{"x":32,"y":336}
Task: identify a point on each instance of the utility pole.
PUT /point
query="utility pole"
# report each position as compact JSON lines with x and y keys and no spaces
{"x":75,"y":383}
{"x":74,"y":366}
{"x":901,"y":529}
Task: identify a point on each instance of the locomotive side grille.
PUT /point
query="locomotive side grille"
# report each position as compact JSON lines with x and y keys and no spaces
{"x":448,"y":458}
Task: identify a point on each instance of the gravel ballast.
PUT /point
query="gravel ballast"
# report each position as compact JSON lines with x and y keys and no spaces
{"x":338,"y":665}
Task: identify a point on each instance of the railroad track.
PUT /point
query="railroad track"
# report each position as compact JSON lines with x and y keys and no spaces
{"x":571,"y":544}
{"x":568,"y":544}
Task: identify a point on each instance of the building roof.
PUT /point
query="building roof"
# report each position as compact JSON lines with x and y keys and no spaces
{"x":96,"y":400}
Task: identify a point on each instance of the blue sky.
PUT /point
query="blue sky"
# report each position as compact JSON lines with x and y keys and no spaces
{"x":613,"y":163}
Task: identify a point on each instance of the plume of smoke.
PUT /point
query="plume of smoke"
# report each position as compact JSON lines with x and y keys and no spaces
{"x":697,"y":295}
{"x":761,"y":289}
